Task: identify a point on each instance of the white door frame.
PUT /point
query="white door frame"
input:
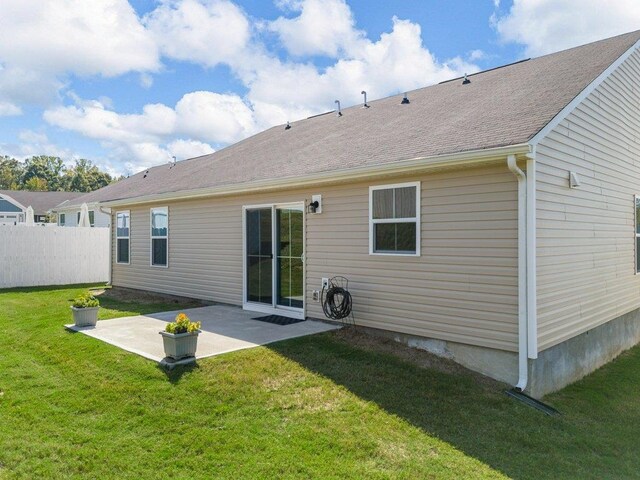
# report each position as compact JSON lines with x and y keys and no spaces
{"x":274,"y":308}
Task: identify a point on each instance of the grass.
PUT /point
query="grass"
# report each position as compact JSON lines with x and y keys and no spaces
{"x":315,"y":407}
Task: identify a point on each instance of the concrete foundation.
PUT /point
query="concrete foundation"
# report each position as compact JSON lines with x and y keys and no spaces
{"x":572,"y":359}
{"x":554,"y":368}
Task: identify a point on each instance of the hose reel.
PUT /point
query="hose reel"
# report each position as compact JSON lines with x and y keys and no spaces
{"x":337,"y":303}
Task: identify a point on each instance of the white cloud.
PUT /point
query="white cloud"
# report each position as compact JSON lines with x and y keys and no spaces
{"x":206,"y":32}
{"x":545,"y":26}
{"x":36,"y":143}
{"x":93,"y":120}
{"x":209,"y":33}
{"x":182,"y":149}
{"x":8,"y":109}
{"x":214,"y":117}
{"x":97,"y":37}
{"x":146,"y":80}
{"x":42,"y":42}
{"x":475,"y":55}
{"x":323,"y":27}
{"x":397,"y":62}
{"x":156,"y":134}
{"x":287,"y":90}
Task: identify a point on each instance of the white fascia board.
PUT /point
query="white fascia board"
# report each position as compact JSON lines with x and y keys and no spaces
{"x":570,"y":107}
{"x":405,"y":166}
{"x":62,"y":208}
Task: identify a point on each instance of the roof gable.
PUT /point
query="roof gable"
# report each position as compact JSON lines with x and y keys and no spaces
{"x":7,"y":204}
{"x":41,"y":202}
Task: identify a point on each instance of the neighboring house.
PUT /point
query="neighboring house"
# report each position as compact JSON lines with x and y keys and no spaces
{"x":492,"y":220}
{"x":14,"y":204}
{"x":69,"y":216}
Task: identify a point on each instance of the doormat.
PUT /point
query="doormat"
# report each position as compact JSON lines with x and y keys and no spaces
{"x":278,"y":319}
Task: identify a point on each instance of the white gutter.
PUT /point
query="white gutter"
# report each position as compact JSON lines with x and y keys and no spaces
{"x":523,"y":371}
{"x":108,"y":212}
{"x":357,"y":173}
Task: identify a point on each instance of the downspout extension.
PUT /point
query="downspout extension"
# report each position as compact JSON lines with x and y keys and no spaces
{"x":523,"y":370}
{"x":108,"y":212}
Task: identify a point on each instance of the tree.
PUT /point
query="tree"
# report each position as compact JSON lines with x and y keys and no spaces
{"x":11,"y":171}
{"x":47,"y":173}
{"x":85,"y":177}
{"x":36,"y":184}
{"x":46,"y":168}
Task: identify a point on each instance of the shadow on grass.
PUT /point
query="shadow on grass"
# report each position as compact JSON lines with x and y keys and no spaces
{"x":473,"y":413}
{"x":52,"y":288}
{"x":174,"y":374}
{"x":144,"y":307}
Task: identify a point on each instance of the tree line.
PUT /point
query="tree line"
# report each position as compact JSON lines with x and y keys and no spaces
{"x":43,"y":173}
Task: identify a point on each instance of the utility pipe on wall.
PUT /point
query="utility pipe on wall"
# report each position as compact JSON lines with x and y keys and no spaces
{"x":523,"y":372}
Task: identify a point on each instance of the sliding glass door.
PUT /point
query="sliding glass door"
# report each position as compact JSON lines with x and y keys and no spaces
{"x":259,"y":263}
{"x":274,"y":259}
{"x":289,"y":267}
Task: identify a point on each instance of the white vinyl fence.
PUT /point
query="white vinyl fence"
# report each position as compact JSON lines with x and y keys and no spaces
{"x":38,"y":255}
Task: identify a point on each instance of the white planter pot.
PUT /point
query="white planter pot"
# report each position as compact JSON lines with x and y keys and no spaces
{"x":85,"y":317}
{"x":180,"y":345}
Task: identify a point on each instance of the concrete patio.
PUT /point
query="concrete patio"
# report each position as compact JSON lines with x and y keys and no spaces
{"x":224,"y":329}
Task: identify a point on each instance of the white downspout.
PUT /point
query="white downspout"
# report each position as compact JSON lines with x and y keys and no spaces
{"x":532,"y":314}
{"x":108,"y":212}
{"x":523,"y":371}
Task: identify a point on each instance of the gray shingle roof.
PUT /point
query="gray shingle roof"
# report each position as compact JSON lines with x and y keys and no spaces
{"x":41,"y":202}
{"x":500,"y":107}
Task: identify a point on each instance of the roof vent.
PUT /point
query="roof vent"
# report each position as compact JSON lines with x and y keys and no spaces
{"x":365,"y":104}
{"x":287,"y":126}
{"x":339,"y":114}
{"x":145,"y":174}
{"x":405,"y":100}
{"x":466,"y":81}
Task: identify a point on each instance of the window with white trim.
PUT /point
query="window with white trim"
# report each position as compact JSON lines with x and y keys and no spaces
{"x":394,"y":219}
{"x":62,"y":218}
{"x":123,"y":235}
{"x":637,"y":215}
{"x":160,"y":237}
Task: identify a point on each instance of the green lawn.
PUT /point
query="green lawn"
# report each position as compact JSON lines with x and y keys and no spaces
{"x":315,"y":407}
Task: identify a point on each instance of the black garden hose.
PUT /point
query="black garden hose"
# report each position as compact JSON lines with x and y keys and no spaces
{"x":336,"y":302}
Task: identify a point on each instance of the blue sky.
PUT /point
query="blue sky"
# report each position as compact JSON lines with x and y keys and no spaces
{"x":131,"y":84}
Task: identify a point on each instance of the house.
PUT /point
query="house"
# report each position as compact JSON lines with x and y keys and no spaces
{"x":14,"y":204}
{"x":490,"y":219}
{"x":69,"y":215}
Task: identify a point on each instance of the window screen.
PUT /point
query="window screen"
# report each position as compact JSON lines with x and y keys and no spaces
{"x":160,"y":236}
{"x":123,"y":235}
{"x":394,"y":219}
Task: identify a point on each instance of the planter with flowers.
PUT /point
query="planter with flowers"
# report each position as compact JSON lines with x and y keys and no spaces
{"x":85,"y":310}
{"x":180,"y":338}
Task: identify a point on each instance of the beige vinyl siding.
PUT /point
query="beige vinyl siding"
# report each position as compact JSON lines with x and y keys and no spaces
{"x":462,"y":288}
{"x":586,"y":241}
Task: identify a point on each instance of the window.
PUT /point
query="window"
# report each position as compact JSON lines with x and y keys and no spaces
{"x":123,"y":231}
{"x":159,"y":236}
{"x":92,"y":218}
{"x":637,"y":215}
{"x":62,"y":218}
{"x":394,"y":225}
